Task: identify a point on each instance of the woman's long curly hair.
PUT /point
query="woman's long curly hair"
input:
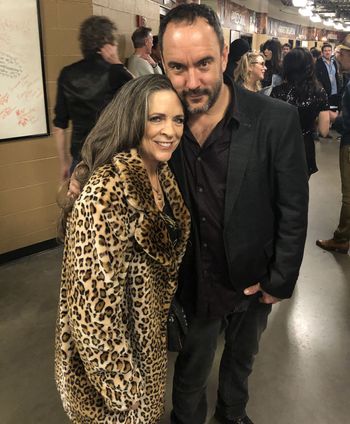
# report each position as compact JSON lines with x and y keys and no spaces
{"x":120,"y":128}
{"x":299,"y":72}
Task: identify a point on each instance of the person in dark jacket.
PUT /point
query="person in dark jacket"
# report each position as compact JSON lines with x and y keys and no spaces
{"x":340,"y":241}
{"x":237,"y":49}
{"x":327,"y":74}
{"x":242,"y":172}
{"x":84,"y":88}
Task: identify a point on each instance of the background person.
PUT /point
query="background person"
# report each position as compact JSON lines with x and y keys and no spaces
{"x":340,"y":240}
{"x":301,"y":89}
{"x":250,"y":71}
{"x":141,"y":62}
{"x":237,"y":49}
{"x":286,"y":48}
{"x":124,"y":240}
{"x":84,"y":88}
{"x":327,"y":74}
{"x":272,"y":51}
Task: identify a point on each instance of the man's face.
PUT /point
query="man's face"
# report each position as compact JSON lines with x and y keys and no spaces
{"x":327,"y":52}
{"x":285,"y":50}
{"x":194,"y":64}
{"x":343,"y":58}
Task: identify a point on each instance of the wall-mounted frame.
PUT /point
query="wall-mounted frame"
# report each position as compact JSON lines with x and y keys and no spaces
{"x":23,"y":100}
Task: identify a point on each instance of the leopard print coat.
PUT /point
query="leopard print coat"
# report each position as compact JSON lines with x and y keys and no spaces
{"x":118,"y":279}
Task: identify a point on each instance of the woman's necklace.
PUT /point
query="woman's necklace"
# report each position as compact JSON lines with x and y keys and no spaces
{"x":158,"y":196}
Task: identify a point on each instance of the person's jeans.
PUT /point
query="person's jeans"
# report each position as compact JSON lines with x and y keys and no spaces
{"x":193,"y":365}
{"x":342,"y":233}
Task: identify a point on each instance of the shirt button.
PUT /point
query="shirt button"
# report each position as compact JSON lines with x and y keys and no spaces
{"x":199,"y":158}
{"x":200,"y":189}
{"x":205,"y":245}
{"x":204,"y":218}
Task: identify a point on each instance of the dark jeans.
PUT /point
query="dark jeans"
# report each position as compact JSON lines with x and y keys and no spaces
{"x":193,"y":364}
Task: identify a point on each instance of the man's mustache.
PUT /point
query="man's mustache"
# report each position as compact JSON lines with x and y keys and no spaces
{"x":196,"y":92}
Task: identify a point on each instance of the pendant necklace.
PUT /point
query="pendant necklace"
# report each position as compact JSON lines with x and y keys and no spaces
{"x":158,"y":193}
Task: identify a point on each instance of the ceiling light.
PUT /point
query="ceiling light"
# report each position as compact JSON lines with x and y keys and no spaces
{"x":315,"y":18}
{"x":328,"y":22}
{"x":299,"y":3}
{"x":305,"y":11}
{"x":338,"y":25}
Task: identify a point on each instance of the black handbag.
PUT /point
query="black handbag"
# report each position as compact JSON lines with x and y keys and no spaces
{"x":177,"y":326}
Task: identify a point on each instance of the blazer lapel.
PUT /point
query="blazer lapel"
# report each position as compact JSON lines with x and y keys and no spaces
{"x":240,"y":149}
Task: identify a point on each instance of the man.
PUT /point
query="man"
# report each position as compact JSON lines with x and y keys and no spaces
{"x":84,"y":88}
{"x":327,"y":74}
{"x":286,"y":48}
{"x":242,"y":171}
{"x":340,"y":241}
{"x":141,"y":62}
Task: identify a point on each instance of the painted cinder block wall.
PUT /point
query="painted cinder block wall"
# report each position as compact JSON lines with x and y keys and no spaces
{"x":29,"y":167}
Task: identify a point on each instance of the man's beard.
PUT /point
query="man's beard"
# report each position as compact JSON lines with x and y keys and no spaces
{"x":212,"y":98}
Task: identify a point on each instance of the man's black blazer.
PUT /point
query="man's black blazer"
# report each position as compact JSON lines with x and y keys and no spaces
{"x":266,"y":201}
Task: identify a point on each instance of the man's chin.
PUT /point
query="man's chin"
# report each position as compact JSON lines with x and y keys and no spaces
{"x":194,"y":109}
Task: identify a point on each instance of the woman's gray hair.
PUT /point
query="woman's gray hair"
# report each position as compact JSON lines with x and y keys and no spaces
{"x":120,"y":128}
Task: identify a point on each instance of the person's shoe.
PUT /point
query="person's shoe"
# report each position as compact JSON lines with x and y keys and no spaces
{"x":333,"y":245}
{"x":239,"y":420}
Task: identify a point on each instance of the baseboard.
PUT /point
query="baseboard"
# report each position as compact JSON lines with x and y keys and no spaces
{"x":28,"y":250}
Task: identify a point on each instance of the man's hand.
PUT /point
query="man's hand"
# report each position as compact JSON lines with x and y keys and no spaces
{"x":73,"y":188}
{"x":65,"y":168}
{"x":109,"y":52}
{"x":149,"y":60}
{"x":265,"y":298}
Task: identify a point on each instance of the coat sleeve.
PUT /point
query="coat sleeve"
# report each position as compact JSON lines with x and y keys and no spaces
{"x":290,"y":181}
{"x":97,"y":239}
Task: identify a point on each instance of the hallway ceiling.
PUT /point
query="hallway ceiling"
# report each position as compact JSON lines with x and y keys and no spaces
{"x":337,"y":10}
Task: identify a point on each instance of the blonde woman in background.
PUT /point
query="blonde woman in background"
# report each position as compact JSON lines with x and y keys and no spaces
{"x":250,"y":71}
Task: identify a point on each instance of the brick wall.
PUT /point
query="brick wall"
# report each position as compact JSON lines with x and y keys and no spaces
{"x":29,"y":167}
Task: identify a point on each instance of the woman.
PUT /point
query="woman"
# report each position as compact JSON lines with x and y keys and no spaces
{"x":124,"y":240}
{"x":301,"y":88}
{"x":250,"y":71}
{"x":272,"y":51}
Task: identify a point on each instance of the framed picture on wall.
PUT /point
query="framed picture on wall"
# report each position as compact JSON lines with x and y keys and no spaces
{"x":23,"y":102}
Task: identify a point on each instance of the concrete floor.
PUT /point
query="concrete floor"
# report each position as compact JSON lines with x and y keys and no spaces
{"x":301,"y":374}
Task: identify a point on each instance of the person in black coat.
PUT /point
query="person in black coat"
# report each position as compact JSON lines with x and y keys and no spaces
{"x":84,"y":88}
{"x":327,"y":74}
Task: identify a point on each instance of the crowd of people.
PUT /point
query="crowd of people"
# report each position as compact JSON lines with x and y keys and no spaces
{"x":187,"y":198}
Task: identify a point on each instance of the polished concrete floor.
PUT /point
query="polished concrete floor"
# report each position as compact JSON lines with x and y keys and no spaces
{"x":301,"y":375}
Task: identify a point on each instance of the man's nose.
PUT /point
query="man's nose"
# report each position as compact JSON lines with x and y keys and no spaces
{"x":192,"y":79}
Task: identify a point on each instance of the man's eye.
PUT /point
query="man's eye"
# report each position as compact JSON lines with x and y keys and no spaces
{"x":204,"y":64}
{"x":176,"y":67}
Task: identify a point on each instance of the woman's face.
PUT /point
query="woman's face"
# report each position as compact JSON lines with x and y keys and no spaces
{"x":257,"y":69}
{"x":268,"y":54}
{"x":164,"y":127}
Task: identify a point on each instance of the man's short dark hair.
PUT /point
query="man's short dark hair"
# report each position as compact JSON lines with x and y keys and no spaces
{"x":95,"y":32}
{"x":139,"y":36}
{"x":325,"y":45}
{"x":286,"y":45}
{"x":189,"y":13}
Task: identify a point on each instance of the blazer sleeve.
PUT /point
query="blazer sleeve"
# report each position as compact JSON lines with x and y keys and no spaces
{"x":290,"y":181}
{"x":99,"y":323}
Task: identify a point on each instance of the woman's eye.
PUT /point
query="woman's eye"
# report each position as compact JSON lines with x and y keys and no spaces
{"x":155,"y":118}
{"x":180,"y":120}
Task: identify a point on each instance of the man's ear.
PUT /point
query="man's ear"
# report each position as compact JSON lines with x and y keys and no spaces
{"x":163,"y":61}
{"x":224,"y":57}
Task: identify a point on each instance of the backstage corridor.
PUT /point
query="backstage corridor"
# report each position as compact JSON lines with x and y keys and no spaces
{"x":301,"y":374}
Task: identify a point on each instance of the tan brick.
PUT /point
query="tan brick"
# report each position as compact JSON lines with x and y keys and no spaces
{"x":71,"y":15}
